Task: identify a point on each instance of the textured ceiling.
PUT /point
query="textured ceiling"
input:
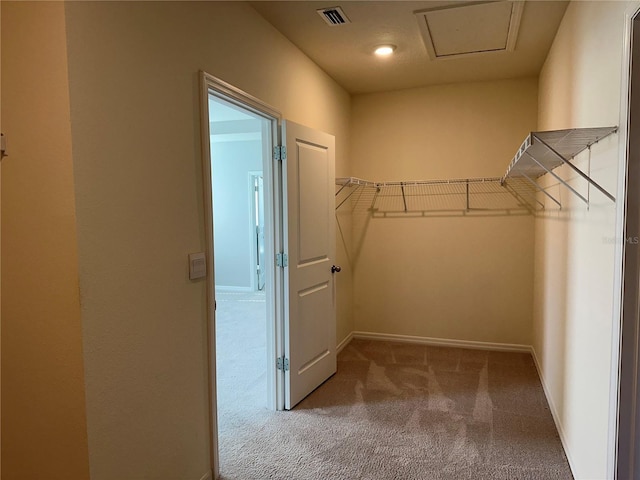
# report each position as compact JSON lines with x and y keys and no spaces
{"x":481,"y":27}
{"x":345,"y":51}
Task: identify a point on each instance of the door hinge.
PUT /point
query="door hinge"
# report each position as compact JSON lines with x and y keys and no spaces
{"x":282,"y":364}
{"x":280,"y":153}
{"x":282,"y":260}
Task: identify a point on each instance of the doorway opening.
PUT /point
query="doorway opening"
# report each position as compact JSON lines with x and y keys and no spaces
{"x":289,"y":230}
{"x":240,"y":152}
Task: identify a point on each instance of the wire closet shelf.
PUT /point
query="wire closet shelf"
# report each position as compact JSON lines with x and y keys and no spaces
{"x":433,"y":197}
{"x":516,"y":192}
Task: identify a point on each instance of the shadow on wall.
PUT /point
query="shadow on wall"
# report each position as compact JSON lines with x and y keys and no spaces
{"x":550,"y":298}
{"x":353,"y":214}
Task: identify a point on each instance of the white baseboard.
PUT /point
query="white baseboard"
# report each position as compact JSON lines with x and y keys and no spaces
{"x":554,"y":412}
{"x":207,"y":476}
{"x":344,"y":343}
{"x":443,"y":342}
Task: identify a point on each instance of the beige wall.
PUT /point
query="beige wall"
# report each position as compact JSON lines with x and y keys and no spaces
{"x":450,"y":278}
{"x":43,"y":405}
{"x":574,"y":249}
{"x":133,"y":69}
{"x":138,"y":196}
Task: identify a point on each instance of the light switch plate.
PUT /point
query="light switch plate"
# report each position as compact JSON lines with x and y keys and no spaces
{"x":197,"y":266}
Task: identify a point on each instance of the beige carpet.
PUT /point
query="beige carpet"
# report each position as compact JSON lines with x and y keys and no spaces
{"x":242,"y":356}
{"x":398,"y":411}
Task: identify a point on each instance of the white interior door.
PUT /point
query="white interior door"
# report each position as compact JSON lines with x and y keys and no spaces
{"x":309,"y":237}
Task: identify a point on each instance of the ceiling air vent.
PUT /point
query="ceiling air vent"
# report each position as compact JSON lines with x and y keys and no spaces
{"x":333,"y":16}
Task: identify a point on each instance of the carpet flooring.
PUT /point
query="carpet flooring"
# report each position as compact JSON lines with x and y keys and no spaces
{"x":396,"y":411}
{"x":241,"y":356}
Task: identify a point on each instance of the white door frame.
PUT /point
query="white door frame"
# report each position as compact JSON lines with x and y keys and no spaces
{"x":624,"y":458}
{"x":273,"y":241}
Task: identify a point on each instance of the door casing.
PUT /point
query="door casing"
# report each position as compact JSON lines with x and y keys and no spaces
{"x":210,"y":85}
{"x":624,"y":437}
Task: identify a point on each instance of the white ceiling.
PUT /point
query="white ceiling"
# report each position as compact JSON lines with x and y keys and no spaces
{"x":221,"y":111}
{"x":228,"y":123}
{"x":345,"y":52}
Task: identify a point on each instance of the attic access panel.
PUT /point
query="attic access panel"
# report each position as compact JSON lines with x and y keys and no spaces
{"x":470,"y":29}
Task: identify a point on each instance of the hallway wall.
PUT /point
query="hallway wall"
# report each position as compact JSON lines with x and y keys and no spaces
{"x":44,"y":430}
{"x":134,"y":89}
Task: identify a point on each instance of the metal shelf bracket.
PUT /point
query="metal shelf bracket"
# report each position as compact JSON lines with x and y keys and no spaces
{"x":542,"y":152}
{"x":576,"y":169}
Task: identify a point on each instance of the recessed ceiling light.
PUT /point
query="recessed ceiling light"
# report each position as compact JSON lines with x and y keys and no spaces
{"x":384,"y":50}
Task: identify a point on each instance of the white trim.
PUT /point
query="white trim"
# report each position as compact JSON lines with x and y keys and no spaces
{"x":210,"y":293}
{"x":212,"y":85}
{"x":554,"y":413}
{"x":443,"y":342}
{"x":207,"y":476}
{"x":618,"y":293}
{"x":344,"y":343}
{"x":231,"y":289}
{"x":236,"y":137}
{"x":239,"y":97}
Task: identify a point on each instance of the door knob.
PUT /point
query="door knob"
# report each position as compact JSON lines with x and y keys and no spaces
{"x":335,"y":268}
